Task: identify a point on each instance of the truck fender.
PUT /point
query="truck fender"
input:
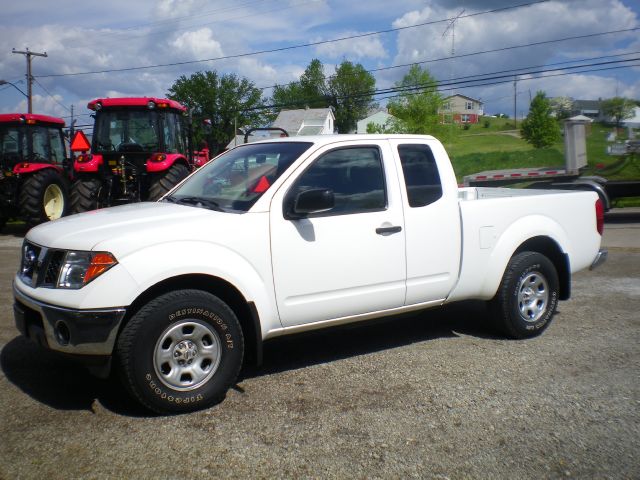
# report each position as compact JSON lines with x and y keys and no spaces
{"x":153,"y":265}
{"x":511,"y":239}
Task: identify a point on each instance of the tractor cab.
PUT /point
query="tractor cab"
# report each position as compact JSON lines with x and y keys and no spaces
{"x":33,"y":181}
{"x":140,"y":148}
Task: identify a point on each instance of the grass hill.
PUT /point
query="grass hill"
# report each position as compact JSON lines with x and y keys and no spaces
{"x":495,"y":145}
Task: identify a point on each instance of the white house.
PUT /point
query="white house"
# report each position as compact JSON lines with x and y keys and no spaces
{"x":634,"y":121}
{"x":379,"y":118}
{"x":304,"y":121}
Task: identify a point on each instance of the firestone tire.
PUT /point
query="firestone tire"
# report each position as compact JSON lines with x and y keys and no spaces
{"x":180,"y":352}
{"x":527,"y":297}
{"x":87,"y":193}
{"x":43,"y":197}
{"x":161,"y":183}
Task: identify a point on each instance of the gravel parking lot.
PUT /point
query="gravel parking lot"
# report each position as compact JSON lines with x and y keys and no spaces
{"x":432,"y":395}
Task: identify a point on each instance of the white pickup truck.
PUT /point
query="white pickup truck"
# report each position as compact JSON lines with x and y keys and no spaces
{"x":287,"y":235}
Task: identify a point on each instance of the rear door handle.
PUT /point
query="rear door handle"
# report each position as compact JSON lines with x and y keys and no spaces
{"x":388,"y":230}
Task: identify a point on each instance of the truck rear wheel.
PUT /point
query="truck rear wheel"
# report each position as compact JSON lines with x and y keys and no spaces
{"x":87,"y":193}
{"x":161,"y":183}
{"x":527,"y":297}
{"x":180,"y":352}
{"x":43,"y":197}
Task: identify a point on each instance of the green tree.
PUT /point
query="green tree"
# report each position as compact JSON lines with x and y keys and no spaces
{"x":349,"y":91}
{"x":539,"y":128}
{"x":618,"y":108}
{"x":310,"y":91}
{"x":416,"y":108}
{"x":227,"y":100}
{"x":562,"y":106}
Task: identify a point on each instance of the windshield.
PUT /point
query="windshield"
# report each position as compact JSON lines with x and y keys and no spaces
{"x":126,"y":131}
{"x":31,"y":143}
{"x":237,"y":179}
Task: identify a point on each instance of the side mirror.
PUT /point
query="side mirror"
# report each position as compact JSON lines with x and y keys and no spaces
{"x":316,"y":200}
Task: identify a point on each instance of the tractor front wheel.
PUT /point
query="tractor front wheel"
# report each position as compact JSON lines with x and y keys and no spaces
{"x":43,"y":197}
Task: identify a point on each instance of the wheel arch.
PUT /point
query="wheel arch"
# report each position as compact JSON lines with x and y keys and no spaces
{"x":246,"y":311}
{"x":550,"y":249}
{"x":170,"y":160}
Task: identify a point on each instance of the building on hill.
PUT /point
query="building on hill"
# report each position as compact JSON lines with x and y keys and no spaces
{"x":588,"y":108}
{"x":461,"y":109}
{"x":379,"y":118}
{"x":304,"y":121}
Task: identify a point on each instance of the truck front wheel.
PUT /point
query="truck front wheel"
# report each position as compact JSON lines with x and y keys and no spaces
{"x":527,"y":297}
{"x":43,"y":197}
{"x":180,"y":352}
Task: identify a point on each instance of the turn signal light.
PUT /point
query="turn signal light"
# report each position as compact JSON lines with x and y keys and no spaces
{"x":158,"y":157}
{"x":100,"y":263}
{"x":84,"y":158}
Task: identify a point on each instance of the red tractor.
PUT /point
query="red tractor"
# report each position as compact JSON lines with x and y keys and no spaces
{"x":33,"y":180}
{"x":140,"y":149}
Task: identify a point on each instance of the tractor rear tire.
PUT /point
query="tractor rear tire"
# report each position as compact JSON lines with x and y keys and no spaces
{"x":87,"y":193}
{"x":43,"y":196}
{"x":162,"y":182}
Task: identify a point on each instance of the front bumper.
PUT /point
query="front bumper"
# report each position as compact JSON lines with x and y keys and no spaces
{"x":601,"y":257}
{"x":71,"y":331}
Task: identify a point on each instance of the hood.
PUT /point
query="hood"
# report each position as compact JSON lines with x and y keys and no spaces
{"x":127,"y":228}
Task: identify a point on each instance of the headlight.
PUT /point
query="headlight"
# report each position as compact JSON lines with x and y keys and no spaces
{"x":80,"y":268}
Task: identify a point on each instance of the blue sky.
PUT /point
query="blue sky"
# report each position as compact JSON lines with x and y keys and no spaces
{"x":121,"y":34}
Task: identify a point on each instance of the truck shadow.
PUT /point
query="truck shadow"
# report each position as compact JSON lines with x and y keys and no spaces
{"x":65,"y":385}
{"x":331,"y":344}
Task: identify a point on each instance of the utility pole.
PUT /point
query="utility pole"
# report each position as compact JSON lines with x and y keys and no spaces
{"x":515,"y":102}
{"x":451,"y":26}
{"x":28,"y":54}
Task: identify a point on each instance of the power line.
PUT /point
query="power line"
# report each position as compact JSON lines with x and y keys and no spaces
{"x":50,"y":95}
{"x":471,"y":81}
{"x":293,"y":47}
{"x":124,"y":36}
{"x":373,"y":70}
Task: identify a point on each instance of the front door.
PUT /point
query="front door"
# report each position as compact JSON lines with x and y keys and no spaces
{"x":349,"y":260}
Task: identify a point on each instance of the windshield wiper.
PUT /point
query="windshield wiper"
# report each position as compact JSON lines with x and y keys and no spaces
{"x":196,"y":202}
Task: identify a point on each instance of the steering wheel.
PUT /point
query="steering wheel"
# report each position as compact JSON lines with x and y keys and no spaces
{"x":129,"y":147}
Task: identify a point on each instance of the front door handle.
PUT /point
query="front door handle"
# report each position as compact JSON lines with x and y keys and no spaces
{"x":388,"y":230}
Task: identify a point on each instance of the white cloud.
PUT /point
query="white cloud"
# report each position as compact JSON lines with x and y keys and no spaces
{"x":527,"y":25}
{"x":122,"y":34}
{"x":355,"y":48}
{"x":174,"y":8}
{"x":198,"y":44}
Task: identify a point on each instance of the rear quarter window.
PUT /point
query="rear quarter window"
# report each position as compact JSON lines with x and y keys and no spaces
{"x":420,"y":172}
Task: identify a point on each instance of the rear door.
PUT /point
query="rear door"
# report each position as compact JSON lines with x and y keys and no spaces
{"x":432,"y":218}
{"x":349,"y":260}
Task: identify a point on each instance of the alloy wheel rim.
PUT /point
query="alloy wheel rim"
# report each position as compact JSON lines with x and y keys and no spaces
{"x":187,"y":355}
{"x":533,"y":297}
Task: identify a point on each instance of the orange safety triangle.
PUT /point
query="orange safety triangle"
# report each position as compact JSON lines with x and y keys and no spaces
{"x":262,"y":186}
{"x":80,"y":142}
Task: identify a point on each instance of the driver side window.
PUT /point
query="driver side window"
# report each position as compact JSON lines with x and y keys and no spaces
{"x":355,"y":176}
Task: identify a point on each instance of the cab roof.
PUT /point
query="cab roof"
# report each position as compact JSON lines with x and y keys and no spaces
{"x":135,"y":102}
{"x":30,"y":118}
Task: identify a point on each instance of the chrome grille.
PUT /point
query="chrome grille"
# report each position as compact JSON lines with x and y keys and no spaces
{"x":40,"y":266}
